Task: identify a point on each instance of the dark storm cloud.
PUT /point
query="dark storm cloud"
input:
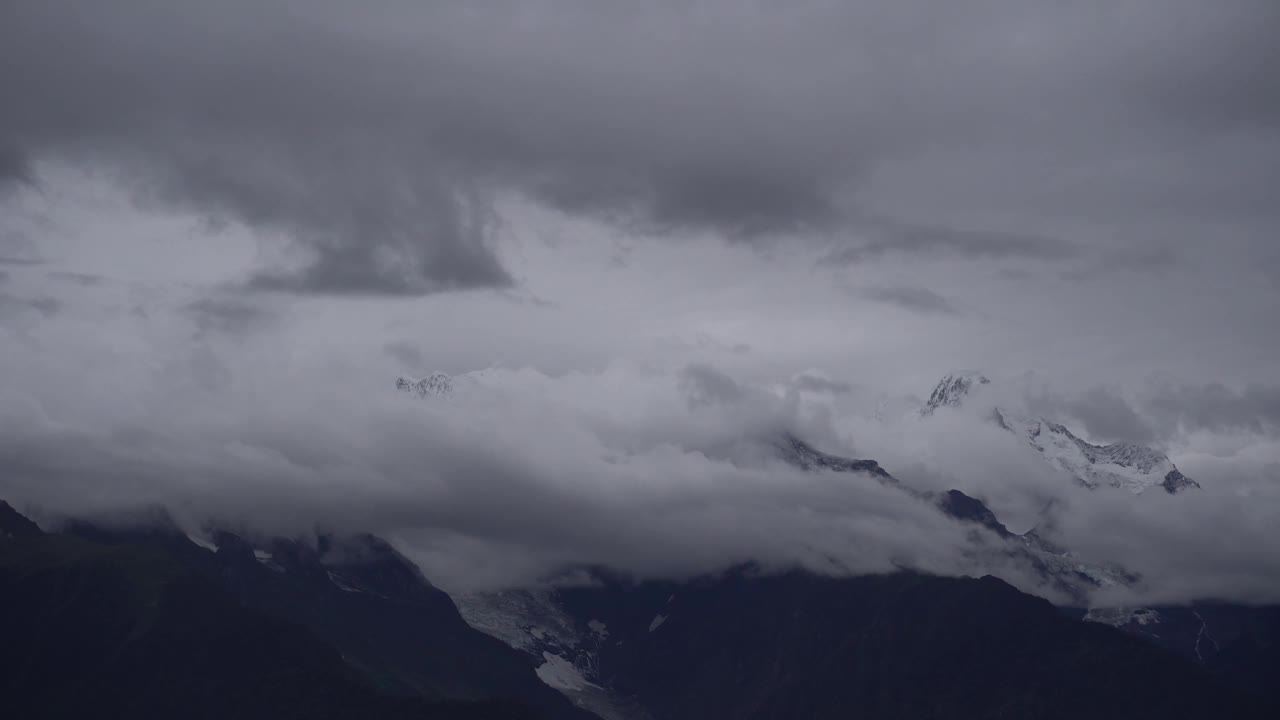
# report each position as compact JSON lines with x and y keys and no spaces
{"x":1147,"y":259}
{"x":366,"y":223}
{"x":1107,"y":416}
{"x":1216,"y":408}
{"x":15,"y":169}
{"x":913,"y":239}
{"x":915,"y":299}
{"x":1162,"y":409}
{"x":376,"y":138}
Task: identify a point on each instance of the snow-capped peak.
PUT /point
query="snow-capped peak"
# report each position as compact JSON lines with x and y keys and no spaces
{"x":1124,"y":465}
{"x":952,"y":389}
{"x":437,"y":384}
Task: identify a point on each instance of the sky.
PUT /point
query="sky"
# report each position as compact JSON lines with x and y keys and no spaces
{"x":644,"y":234}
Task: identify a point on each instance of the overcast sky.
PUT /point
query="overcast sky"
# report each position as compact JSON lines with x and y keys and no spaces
{"x":226,"y":228}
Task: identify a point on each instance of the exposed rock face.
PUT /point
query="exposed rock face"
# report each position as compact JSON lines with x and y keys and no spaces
{"x":436,"y":384}
{"x":952,"y":389}
{"x":795,"y":451}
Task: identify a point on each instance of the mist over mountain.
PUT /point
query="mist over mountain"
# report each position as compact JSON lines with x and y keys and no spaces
{"x":653,"y":360}
{"x":1123,"y":465}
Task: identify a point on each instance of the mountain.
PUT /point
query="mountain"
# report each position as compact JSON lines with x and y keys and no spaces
{"x":13,"y":525}
{"x":794,"y":451}
{"x":952,"y":389}
{"x":585,"y":650}
{"x":1238,"y":643}
{"x":434,"y":385}
{"x":745,"y":644}
{"x":571,"y":647}
{"x":566,"y":649}
{"x":1057,"y":566}
{"x":1123,"y":465}
{"x":357,"y":595}
{"x":796,"y":645}
{"x":133,"y":631}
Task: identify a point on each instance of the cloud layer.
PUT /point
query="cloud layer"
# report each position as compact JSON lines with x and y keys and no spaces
{"x":520,"y":475}
{"x":225,"y":228}
{"x":374,"y":141}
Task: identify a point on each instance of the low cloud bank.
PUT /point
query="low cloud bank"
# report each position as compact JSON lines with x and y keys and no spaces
{"x":519,"y":474}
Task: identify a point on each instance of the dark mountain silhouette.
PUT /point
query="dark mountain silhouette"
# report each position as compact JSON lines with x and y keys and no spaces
{"x":895,"y":646}
{"x":144,"y":623}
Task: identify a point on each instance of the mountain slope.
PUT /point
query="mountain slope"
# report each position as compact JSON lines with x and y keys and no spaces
{"x":92,"y":630}
{"x":1123,"y":465}
{"x":1057,"y":566}
{"x":1238,"y":643}
{"x":897,"y":646}
{"x":573,"y":647}
{"x":952,"y":389}
{"x":361,"y":597}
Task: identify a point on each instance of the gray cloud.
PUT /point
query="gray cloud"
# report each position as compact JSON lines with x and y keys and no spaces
{"x":15,"y":169}
{"x":1108,"y":417}
{"x":704,"y":342}
{"x":1215,"y":407}
{"x":17,"y":305}
{"x":1271,"y":268}
{"x":227,"y":315}
{"x":816,"y":384}
{"x":907,"y":238}
{"x":377,"y":140}
{"x":705,"y":385}
{"x":672,"y":490}
{"x":1161,"y":409}
{"x":1143,"y":258}
{"x":76,"y":278}
{"x":915,"y":299}
{"x":20,"y":261}
{"x":428,"y":245}
{"x":992,"y":156}
{"x":521,"y":474}
{"x":407,"y":354}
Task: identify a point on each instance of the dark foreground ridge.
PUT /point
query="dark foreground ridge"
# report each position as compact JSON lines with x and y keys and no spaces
{"x":146,"y":623}
{"x":894,"y":646}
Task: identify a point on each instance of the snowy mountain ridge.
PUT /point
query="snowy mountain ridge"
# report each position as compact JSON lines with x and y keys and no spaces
{"x":1059,"y":567}
{"x":952,"y":389}
{"x":1124,"y":465}
{"x":436,"y":384}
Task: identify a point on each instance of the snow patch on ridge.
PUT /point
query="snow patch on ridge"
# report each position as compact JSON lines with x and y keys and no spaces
{"x":561,"y":674}
{"x":1120,"y":617}
{"x":1124,"y":465}
{"x":202,"y":542}
{"x":952,"y":389}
